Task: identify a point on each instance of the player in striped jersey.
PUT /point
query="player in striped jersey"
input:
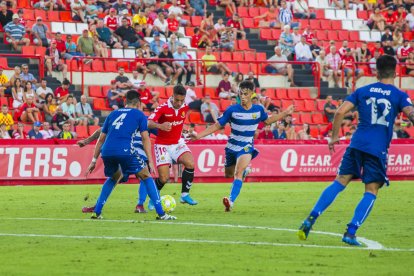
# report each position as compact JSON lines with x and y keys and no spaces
{"x":244,"y":119}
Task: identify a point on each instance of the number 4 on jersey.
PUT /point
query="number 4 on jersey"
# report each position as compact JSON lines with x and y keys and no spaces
{"x":119,"y":121}
{"x":374,"y":111}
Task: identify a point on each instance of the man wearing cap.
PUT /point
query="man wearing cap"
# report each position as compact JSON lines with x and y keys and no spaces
{"x":115,"y":96}
{"x":157,"y":44}
{"x":14,"y":32}
{"x":6,"y":15}
{"x":4,"y":82}
{"x":78,"y":8}
{"x":169,"y":67}
{"x":40,"y":32}
{"x":35,"y":132}
{"x":404,"y":50}
{"x":147,"y":97}
{"x":53,"y":60}
{"x":111,"y":20}
{"x":127,"y":35}
{"x":125,"y":14}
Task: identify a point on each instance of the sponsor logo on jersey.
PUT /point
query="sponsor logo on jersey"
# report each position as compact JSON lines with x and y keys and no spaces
{"x":177,"y":123}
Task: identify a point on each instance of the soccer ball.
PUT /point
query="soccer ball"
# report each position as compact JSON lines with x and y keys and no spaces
{"x":168,"y":203}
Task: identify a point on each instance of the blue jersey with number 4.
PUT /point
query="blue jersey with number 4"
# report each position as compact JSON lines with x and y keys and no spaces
{"x":123,"y":128}
{"x":378,"y":105}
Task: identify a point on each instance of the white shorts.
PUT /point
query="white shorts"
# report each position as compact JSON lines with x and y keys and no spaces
{"x":165,"y":154}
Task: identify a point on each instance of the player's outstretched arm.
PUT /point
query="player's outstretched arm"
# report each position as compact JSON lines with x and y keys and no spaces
{"x":90,"y":139}
{"x":277,"y":117}
{"x":211,"y":129}
{"x":146,"y":142}
{"x":409,"y":112}
{"x":166,"y":126}
{"x":337,"y":121}
{"x":96,"y":153}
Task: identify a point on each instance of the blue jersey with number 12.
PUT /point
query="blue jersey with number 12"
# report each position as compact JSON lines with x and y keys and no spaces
{"x":123,"y":128}
{"x":378,"y":105}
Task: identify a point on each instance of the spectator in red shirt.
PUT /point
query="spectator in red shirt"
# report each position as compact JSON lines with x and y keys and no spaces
{"x":404,"y":50}
{"x":173,"y":25}
{"x":237,"y":26}
{"x":61,"y":46}
{"x":147,"y":98}
{"x":377,"y":47}
{"x":348,"y":64}
{"x":390,"y":18}
{"x":266,"y":133}
{"x":111,"y":20}
{"x":53,"y":60}
{"x":62,"y":92}
{"x":198,"y":40}
{"x":400,"y":14}
{"x":19,"y":133}
{"x":28,"y":112}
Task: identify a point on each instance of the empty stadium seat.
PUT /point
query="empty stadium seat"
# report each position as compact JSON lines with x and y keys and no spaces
{"x":82,"y":131}
{"x":281,"y":93}
{"x":306,"y":118}
{"x":96,"y":91}
{"x":310,"y":105}
{"x":196,"y":118}
{"x":92,"y":129}
{"x":317,"y":118}
{"x":293,"y":93}
{"x":224,"y":104}
{"x":299,"y":105}
{"x":100,"y":104}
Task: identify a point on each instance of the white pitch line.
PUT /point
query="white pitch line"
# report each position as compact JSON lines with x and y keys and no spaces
{"x":371,"y":245}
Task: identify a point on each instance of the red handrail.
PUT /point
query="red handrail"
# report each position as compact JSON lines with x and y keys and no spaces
{"x":39,"y":57}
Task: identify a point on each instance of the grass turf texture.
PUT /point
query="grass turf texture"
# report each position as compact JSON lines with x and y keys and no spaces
{"x":282,"y":205}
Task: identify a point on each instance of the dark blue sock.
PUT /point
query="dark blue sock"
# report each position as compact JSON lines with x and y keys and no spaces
{"x":326,"y":198}
{"x":361,"y":212}
{"x":235,"y":189}
{"x":142,"y":193}
{"x":107,"y":188}
{"x":154,"y":195}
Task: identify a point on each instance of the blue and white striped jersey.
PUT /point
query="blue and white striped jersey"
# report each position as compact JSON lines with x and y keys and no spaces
{"x":243,"y":125}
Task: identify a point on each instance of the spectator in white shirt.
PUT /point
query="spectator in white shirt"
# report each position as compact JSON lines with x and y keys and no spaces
{"x":43,"y":90}
{"x":178,"y":11}
{"x":219,"y":26}
{"x":47,"y":132}
{"x":135,"y":81}
{"x":301,"y":10}
{"x":303,"y":52}
{"x":410,"y":19}
{"x":161,"y":25}
{"x":85,"y":113}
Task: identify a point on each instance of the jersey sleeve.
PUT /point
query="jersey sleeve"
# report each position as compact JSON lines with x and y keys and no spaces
{"x":263,"y":114}
{"x":404,"y":101}
{"x":225,"y":118}
{"x":155,"y":116}
{"x":353,"y":98}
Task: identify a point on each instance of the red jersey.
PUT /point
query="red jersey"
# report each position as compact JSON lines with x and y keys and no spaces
{"x":233,"y":24}
{"x":146,"y":96}
{"x":60,"y":92}
{"x":195,"y":40}
{"x":60,"y":46}
{"x":173,"y":24}
{"x":111,"y":22}
{"x":308,"y":37}
{"x":390,"y":19}
{"x":348,"y":61}
{"x":380,"y":51}
{"x":167,"y":113}
{"x":404,"y":51}
{"x":23,"y":108}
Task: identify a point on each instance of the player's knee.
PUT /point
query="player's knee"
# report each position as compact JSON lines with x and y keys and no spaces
{"x":163,"y":179}
{"x":229,"y":174}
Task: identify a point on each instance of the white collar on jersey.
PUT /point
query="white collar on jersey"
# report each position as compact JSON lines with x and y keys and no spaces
{"x":169,"y":102}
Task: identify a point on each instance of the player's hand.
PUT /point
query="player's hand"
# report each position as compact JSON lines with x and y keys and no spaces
{"x":151,"y":168}
{"x":91,"y":168}
{"x":81,"y":143}
{"x":331,"y":145}
{"x":193,"y":137}
{"x":166,"y":126}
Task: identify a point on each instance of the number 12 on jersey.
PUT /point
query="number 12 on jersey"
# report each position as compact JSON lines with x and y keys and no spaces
{"x":374,"y":111}
{"x":119,"y":121}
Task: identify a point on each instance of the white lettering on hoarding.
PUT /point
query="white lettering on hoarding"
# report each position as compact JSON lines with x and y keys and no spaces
{"x":289,"y":160}
{"x":42,"y":160}
{"x":25,"y":161}
{"x":59,"y":162}
{"x":206,"y":160}
{"x":11,"y":152}
{"x":315,"y":162}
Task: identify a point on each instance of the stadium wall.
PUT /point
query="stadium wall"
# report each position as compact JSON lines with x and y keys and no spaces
{"x":53,"y":162}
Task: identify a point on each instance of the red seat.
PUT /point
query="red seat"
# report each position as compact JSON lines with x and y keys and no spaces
{"x":249,"y":23}
{"x":276,"y":33}
{"x":92,"y":129}
{"x":281,"y":93}
{"x":29,"y":15}
{"x":100,"y":104}
{"x":161,"y":91}
{"x":53,"y":16}
{"x":321,"y":35}
{"x":41,"y":51}
{"x":354,"y":36}
{"x":210,"y":91}
{"x":315,"y":24}
{"x":196,"y":118}
{"x":305,"y":118}
{"x":254,"y":12}
{"x":363,"y":15}
{"x":320,"y":104}
{"x":243,"y":44}
{"x":261,"y":56}
{"x":266,"y":34}
{"x":97,"y":66}
{"x":244,"y":68}
{"x":28,"y":50}
{"x":3,"y":100}
{"x":336,"y":24}
{"x":243,"y":12}
{"x":189,"y":31}
{"x":410,"y":94}
{"x":111,"y":66}
{"x":304,"y":23}
{"x":250,"y":56}
{"x":224,"y":104}
{"x":238,"y":56}
{"x":326,"y":24}
{"x":263,"y":10}
{"x":42,"y":14}
{"x":225,"y":56}
{"x":343,"y":35}
{"x":286,"y":104}
{"x":296,"y":118}
{"x":332,"y":35}
{"x":310,"y":105}
{"x":293,"y":93}
{"x":300,"y":105}
{"x":196,"y":20}
{"x":4,"y":63}
{"x":408,"y":35}
{"x":304,"y":93}
{"x":82,"y":131}
{"x":314,"y":132}
{"x":96,"y":91}
{"x":317,"y":118}
{"x":199,"y":92}
{"x":23,"y":4}
{"x":320,"y":14}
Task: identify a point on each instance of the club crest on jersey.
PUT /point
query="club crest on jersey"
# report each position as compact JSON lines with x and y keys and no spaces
{"x":246,"y":148}
{"x":254,"y":116}
{"x":183,"y":115}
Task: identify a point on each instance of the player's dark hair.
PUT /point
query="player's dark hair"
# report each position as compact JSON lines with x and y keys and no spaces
{"x":246,"y":85}
{"x":179,"y":90}
{"x":132,"y":97}
{"x":386,"y":67}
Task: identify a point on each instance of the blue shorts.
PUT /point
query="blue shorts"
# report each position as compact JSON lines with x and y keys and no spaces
{"x":369,"y":168}
{"x":232,"y":156}
{"x":128,"y":164}
{"x":346,"y":70}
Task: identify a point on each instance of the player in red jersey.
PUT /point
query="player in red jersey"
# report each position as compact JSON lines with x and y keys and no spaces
{"x":169,"y":118}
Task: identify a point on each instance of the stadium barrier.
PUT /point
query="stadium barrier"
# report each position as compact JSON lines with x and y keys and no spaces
{"x":40,"y":61}
{"x":63,"y":162}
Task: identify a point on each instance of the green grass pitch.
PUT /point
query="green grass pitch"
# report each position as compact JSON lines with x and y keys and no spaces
{"x":43,"y":232}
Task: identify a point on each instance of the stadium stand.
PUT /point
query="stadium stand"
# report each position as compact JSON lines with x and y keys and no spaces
{"x":92,"y":75}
